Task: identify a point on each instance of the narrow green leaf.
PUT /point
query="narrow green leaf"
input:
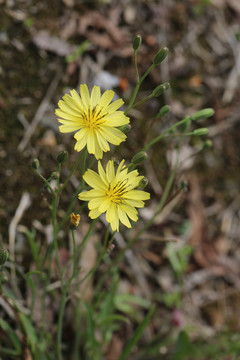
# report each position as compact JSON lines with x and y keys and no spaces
{"x":137,"y":335}
{"x":29,"y":331}
{"x":11,"y":334}
{"x":90,"y":326}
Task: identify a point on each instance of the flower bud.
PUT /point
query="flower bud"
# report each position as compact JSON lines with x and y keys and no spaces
{"x":160,"y":56}
{"x":143,"y":183}
{"x":55,"y":175}
{"x":160,"y":89}
{"x":4,"y":254}
{"x":125,"y":128}
{"x":35,"y":164}
{"x":202,"y":114}
{"x":139,"y":158}
{"x":163,"y":111}
{"x":62,"y":156}
{"x":74,"y":221}
{"x":137,"y":42}
{"x":200,"y":132}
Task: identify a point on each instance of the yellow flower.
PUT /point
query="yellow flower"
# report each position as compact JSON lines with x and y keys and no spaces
{"x":114,"y":193}
{"x":93,"y":118}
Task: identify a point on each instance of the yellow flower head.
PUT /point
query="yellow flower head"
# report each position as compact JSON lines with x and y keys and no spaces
{"x":93,"y":118}
{"x":114,"y":194}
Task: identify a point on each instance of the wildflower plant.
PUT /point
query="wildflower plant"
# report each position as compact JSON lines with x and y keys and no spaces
{"x":114,"y":193}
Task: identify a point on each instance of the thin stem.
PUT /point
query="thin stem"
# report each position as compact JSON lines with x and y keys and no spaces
{"x":71,"y":173}
{"x":83,"y":167}
{"x":74,"y":256}
{"x":137,"y":88}
{"x":106,"y":236}
{"x":142,"y":101}
{"x":60,"y":324}
{"x":158,"y":138}
{"x":46,"y":182}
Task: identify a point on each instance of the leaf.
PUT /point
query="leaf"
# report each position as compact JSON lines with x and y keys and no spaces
{"x":184,"y":347}
{"x":11,"y":334}
{"x":137,"y":335}
{"x":29,"y":331}
{"x":126,"y":302}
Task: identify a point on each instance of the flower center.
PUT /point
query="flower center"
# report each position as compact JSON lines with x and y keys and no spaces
{"x":93,"y":118}
{"x":116,"y":191}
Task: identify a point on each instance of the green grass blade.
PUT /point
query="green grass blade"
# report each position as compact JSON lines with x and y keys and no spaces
{"x":137,"y":335}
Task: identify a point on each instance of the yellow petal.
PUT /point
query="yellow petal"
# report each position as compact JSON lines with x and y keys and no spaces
{"x":130,"y":211}
{"x":110,"y":171}
{"x":95,"y":203}
{"x":137,"y":195}
{"x":123,"y":217}
{"x":102,"y":174}
{"x":91,"y":194}
{"x":95,"y":95}
{"x":114,"y":106}
{"x":94,"y":213}
{"x":78,"y":100}
{"x":105,"y":99}
{"x":85,"y":95}
{"x":93,"y":179}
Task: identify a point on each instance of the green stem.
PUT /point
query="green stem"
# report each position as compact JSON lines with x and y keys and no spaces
{"x":142,"y":101}
{"x":60,"y":324}
{"x":158,"y":138}
{"x":137,"y":88}
{"x":71,"y":173}
{"x":46,"y":182}
{"x":160,"y":205}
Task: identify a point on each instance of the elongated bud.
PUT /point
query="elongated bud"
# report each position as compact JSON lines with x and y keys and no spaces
{"x":143,"y":183}
{"x":137,"y":42}
{"x":35,"y":164}
{"x":163,"y":111}
{"x":160,"y":89}
{"x":139,"y":158}
{"x":74,"y":221}
{"x":160,"y":56}
{"x":125,"y":128}
{"x":200,"y":132}
{"x":62,"y":156}
{"x":4,"y":254}
{"x":202,"y":114}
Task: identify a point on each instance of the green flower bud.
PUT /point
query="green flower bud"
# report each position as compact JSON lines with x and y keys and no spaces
{"x":62,"y":156}
{"x":137,"y":42}
{"x":163,"y":111}
{"x":125,"y":128}
{"x":4,"y":254}
{"x":160,"y":56}
{"x":160,"y":89}
{"x":35,"y":164}
{"x":139,"y":158}
{"x":202,"y":114}
{"x":200,"y":132}
{"x":55,"y":175}
{"x":143,"y":183}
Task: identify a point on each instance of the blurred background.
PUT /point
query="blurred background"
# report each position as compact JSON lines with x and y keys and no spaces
{"x":188,"y":260}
